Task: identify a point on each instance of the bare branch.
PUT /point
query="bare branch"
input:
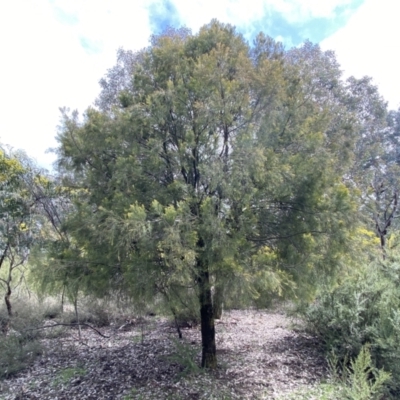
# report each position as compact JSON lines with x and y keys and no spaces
{"x":73,"y":324}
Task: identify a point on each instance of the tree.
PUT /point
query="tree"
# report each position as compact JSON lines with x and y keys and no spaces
{"x":375,"y":171}
{"x":20,"y":220}
{"x":215,"y":162}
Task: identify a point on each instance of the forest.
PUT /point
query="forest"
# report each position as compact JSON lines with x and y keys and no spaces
{"x":214,"y":183}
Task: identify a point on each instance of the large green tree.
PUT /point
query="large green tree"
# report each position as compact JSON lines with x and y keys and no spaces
{"x":214,"y":159}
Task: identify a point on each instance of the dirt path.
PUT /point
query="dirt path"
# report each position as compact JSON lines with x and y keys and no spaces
{"x":259,"y":357}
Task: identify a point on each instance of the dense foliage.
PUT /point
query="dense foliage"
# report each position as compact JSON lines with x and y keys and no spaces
{"x":215,"y":163}
{"x":362,"y":310}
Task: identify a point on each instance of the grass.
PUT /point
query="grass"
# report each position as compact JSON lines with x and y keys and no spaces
{"x":65,"y":375}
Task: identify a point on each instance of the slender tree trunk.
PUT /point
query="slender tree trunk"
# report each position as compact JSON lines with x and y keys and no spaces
{"x":218,"y":301}
{"x":8,"y":301}
{"x":63,"y":299}
{"x":77,"y":316}
{"x":209,"y":356}
{"x":178,"y":328}
{"x":6,"y":324}
{"x":383,"y":222}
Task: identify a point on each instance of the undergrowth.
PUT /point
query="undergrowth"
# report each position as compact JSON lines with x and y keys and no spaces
{"x":356,"y":379}
{"x":364,"y":309}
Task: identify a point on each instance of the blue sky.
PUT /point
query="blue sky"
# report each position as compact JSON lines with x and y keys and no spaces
{"x":290,"y":24}
{"x":55,"y":51}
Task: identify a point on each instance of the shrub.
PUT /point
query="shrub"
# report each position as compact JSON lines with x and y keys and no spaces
{"x":90,"y":311}
{"x":16,"y":353}
{"x":364,"y":308}
{"x":28,"y":316}
{"x":52,"y":311}
{"x":20,"y":346}
{"x":186,"y":356}
{"x":354,"y":380}
{"x":359,"y":379}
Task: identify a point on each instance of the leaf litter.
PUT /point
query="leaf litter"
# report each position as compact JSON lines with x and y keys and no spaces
{"x":259,"y":357}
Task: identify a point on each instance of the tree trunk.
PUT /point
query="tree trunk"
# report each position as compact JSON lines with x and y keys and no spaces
{"x":5,"y":326}
{"x":209,"y":356}
{"x":8,"y":301}
{"x":77,"y":316}
{"x":62,"y":299}
{"x":218,"y":301}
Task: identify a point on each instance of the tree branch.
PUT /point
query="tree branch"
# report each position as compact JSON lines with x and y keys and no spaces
{"x":73,"y":324}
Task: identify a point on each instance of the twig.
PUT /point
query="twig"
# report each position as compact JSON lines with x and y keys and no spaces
{"x":74,"y":324}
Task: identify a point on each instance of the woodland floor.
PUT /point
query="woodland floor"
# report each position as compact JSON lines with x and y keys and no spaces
{"x":259,"y":356}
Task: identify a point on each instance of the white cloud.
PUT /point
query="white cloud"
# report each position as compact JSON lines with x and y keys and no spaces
{"x":195,"y":13}
{"x":302,"y":10}
{"x":369,"y":45}
{"x":115,"y":23}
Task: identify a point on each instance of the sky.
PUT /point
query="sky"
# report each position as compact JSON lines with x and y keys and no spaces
{"x":54,"y":52}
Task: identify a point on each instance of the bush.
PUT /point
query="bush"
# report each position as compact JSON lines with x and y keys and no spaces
{"x":364,"y":308}
{"x":95,"y":316}
{"x":52,"y":311}
{"x":90,"y":311}
{"x":16,"y":353}
{"x":354,"y":380}
{"x":28,"y":316}
{"x":20,"y":346}
{"x":359,"y":380}
{"x":186,"y":356}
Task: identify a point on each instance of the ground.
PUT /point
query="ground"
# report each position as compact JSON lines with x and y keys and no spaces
{"x":260,"y":356}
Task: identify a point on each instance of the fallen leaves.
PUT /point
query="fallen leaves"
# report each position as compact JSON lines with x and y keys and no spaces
{"x":259,"y":358}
